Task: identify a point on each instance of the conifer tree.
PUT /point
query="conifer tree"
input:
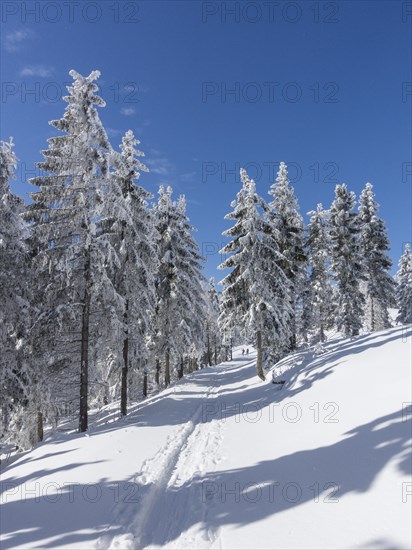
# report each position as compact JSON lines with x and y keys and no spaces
{"x":15,"y":378}
{"x":133,"y":235}
{"x":346,"y":261}
{"x":288,"y":233}
{"x":192,"y":301}
{"x":180,"y":305}
{"x":404,"y":287}
{"x":72,"y":253}
{"x":374,"y":243}
{"x":213,"y":334}
{"x":320,"y":290}
{"x":255,"y":294}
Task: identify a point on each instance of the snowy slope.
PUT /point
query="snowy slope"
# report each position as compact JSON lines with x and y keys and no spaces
{"x":223,"y":461}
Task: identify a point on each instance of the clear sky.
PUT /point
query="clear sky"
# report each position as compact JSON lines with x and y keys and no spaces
{"x":212,"y":86}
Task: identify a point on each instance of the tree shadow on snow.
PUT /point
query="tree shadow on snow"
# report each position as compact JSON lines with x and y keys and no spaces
{"x":215,"y":499}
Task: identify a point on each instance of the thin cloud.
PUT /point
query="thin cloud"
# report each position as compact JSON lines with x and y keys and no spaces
{"x":161,"y":166}
{"x":128,"y":111}
{"x":193,"y":201}
{"x":114,"y":132}
{"x":140,"y":129}
{"x":37,"y":70}
{"x":14,"y":41}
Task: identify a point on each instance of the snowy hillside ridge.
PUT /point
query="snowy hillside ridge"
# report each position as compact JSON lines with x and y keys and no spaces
{"x":102,"y":288}
{"x":221,"y":460}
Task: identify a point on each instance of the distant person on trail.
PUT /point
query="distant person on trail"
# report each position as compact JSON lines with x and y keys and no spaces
{"x":247,"y":351}
{"x":243,"y":351}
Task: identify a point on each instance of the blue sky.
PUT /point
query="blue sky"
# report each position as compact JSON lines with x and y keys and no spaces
{"x":212,"y":86}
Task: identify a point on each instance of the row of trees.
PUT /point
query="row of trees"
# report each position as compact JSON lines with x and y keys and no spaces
{"x":289,"y":283}
{"x":101,"y":287}
{"x":102,"y":296}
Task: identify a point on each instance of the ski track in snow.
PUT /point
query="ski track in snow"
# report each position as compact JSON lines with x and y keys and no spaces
{"x":182,"y":454}
{"x":171,"y":480}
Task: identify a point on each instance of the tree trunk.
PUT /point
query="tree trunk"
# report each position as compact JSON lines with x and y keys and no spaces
{"x":157,"y":374}
{"x":215,"y":355}
{"x":5,"y":417}
{"x":372,"y":316}
{"x":125,"y":367}
{"x":322,"y":333}
{"x":292,"y":340}
{"x":145,"y":384}
{"x":180,"y":374}
{"x":167,"y":369}
{"x":231,"y":350}
{"x":209,"y":351}
{"x":321,"y":327}
{"x":39,"y":426}
{"x":259,"y":367}
{"x":84,"y":356}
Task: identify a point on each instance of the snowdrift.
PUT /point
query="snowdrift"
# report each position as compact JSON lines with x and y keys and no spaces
{"x":222,"y":460}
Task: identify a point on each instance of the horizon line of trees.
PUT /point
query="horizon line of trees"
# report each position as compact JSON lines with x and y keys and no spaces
{"x":289,"y":283}
{"x":102,"y":292}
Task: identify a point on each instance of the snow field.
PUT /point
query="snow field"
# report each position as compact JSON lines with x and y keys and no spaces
{"x":222,"y":460}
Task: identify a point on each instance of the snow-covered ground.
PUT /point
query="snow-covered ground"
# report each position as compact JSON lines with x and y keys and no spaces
{"x":222,"y":460}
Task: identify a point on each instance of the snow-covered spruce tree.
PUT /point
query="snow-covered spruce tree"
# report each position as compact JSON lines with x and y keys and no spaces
{"x":179,"y":302}
{"x":165,"y":218}
{"x":346,"y":261}
{"x":320,"y":288}
{"x":71,"y":252}
{"x":213,"y":335}
{"x":15,"y":377}
{"x":288,"y":234}
{"x":192,"y":302}
{"x":404,"y":287}
{"x":374,"y":243}
{"x":256,"y":294}
{"x":235,"y":300}
{"x":132,"y":233}
{"x":305,"y":318}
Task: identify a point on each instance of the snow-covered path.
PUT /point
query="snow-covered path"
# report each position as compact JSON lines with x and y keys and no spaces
{"x":222,"y":460}
{"x":173,"y":476}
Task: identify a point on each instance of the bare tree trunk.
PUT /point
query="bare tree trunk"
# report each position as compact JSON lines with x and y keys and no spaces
{"x":145,"y":384}
{"x":321,"y":327}
{"x":157,"y":374}
{"x":292,"y":340}
{"x":209,"y":351}
{"x":125,"y":367}
{"x":322,"y":333}
{"x":84,"y":356}
{"x":259,"y":367}
{"x":39,"y":426}
{"x":215,"y":355}
{"x":180,"y":374}
{"x":167,"y":369}
{"x":372,"y":316}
